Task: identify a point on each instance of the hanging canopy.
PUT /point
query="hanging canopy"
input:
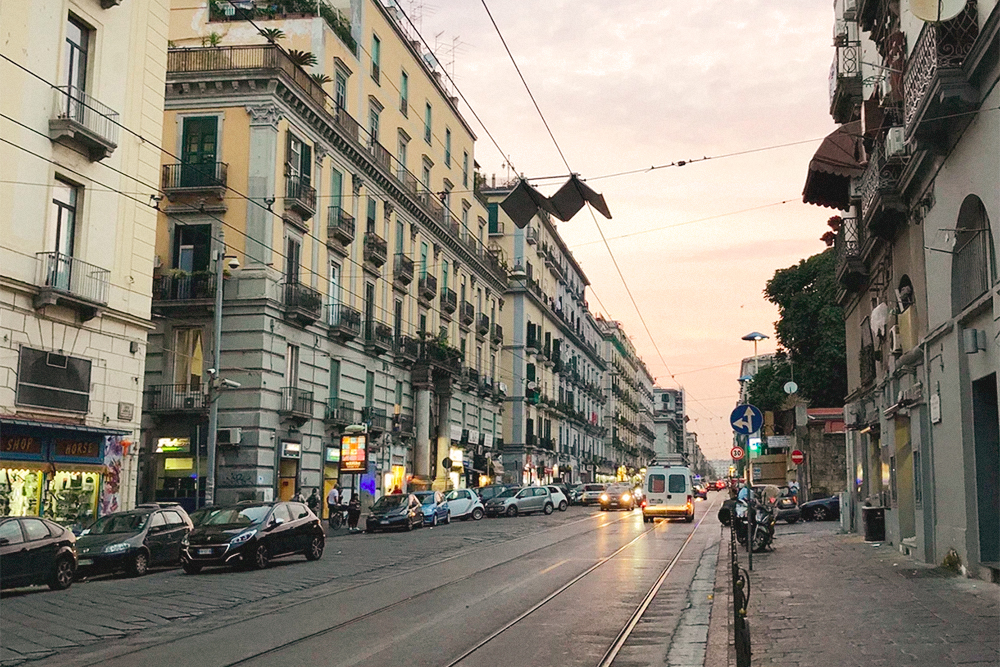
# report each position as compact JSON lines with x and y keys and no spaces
{"x":571,"y":196}
{"x":832,"y":167}
{"x":523,"y":203}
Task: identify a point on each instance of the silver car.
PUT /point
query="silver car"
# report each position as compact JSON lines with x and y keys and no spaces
{"x":592,"y":494}
{"x":521,"y":501}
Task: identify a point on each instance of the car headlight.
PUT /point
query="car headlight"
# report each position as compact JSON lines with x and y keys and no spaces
{"x":185,"y":541}
{"x":604,"y":497}
{"x":243,"y":537}
{"x":626,"y":497}
{"x":116,"y":548}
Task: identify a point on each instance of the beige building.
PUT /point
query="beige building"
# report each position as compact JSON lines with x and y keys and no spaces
{"x":83,"y":107}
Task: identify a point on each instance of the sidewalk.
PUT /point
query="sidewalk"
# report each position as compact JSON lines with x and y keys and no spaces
{"x":824,"y":599}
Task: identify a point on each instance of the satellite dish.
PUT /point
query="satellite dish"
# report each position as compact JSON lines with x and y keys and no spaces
{"x":791,"y":388}
{"x":936,"y":11}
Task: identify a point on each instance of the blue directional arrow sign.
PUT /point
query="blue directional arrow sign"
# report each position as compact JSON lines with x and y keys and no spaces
{"x":746,"y":419}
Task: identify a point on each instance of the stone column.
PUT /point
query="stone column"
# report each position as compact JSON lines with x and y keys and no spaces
{"x":443,"y":392}
{"x":260,"y":183}
{"x":422,"y":423}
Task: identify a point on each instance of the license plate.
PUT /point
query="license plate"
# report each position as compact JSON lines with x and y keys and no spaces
{"x":383,"y":522}
{"x":204,"y":552}
{"x":85,"y":561}
{"x":656,"y":502}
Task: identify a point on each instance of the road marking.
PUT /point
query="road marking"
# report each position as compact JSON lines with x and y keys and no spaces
{"x":552,"y":567}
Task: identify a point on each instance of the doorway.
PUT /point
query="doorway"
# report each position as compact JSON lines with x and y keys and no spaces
{"x":986,"y":432}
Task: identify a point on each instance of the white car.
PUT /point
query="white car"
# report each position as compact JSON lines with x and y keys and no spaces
{"x":559,"y":498}
{"x":465,"y":504}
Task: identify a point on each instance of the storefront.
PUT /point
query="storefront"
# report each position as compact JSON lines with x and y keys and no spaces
{"x":179,"y":465}
{"x":331,"y":473}
{"x":288,"y":469}
{"x":66,"y":473}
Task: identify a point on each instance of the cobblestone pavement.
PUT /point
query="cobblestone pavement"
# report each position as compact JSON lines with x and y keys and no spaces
{"x":36,"y":623}
{"x":825,"y":599}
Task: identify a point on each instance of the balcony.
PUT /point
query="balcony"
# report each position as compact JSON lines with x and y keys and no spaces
{"x":382,"y":156}
{"x":375,"y":418}
{"x":169,"y":398}
{"x":300,"y":196}
{"x":852,"y":272}
{"x":486,"y":386}
{"x":441,"y":355}
{"x":532,"y":346}
{"x":407,"y":350}
{"x":497,"y":336}
{"x":344,"y":322}
{"x":340,"y":412}
{"x":71,"y":282}
{"x":339,"y":229}
{"x":427,"y":287}
{"x":845,"y":81}
{"x":402,"y":424}
{"x":376,"y":250}
{"x":482,"y":325}
{"x":402,"y":271}
{"x":296,"y":405}
{"x":496,"y":228}
{"x":882,"y":206}
{"x":378,"y":338}
{"x":471,"y":379}
{"x":531,"y":235}
{"x":302,"y":304}
{"x":184,"y":287}
{"x":209,"y":178}
{"x":84,"y":121}
{"x":347,"y":124}
{"x":466,"y":314}
{"x":935,"y":83}
{"x":449,"y":302}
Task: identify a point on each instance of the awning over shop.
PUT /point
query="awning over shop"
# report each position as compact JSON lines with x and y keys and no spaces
{"x":63,"y":427}
{"x":837,"y":160}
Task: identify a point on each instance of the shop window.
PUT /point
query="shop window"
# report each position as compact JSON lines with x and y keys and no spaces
{"x":50,"y":380}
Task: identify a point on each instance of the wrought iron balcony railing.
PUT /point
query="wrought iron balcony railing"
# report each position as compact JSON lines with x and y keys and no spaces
{"x":449,"y":301}
{"x":344,"y":321}
{"x":181,"y":287}
{"x":303,"y":302}
{"x":427,"y":287}
{"x":882,"y":208}
{"x":497,"y":336}
{"x":851,"y":269}
{"x":186,"y":177}
{"x":845,"y":81}
{"x":339,"y":225}
{"x":175,"y":398}
{"x":81,"y":118}
{"x":466,"y":313}
{"x":482,"y":324}
{"x":376,"y":249}
{"x":340,"y":411}
{"x":403,"y":269}
{"x":72,"y":276}
{"x":296,"y":402}
{"x":378,"y":338}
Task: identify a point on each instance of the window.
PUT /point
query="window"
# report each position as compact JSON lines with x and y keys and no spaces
{"x":34,"y":529}
{"x":298,"y":164}
{"x":293,"y":258}
{"x":74,"y":75}
{"x":10,"y":532}
{"x":369,"y":388}
{"x":198,"y":151}
{"x":465,"y":220}
{"x":397,"y":319}
{"x":49,"y":380}
{"x":62,"y":225}
{"x":373,"y":121}
{"x":333,"y":294}
{"x":677,"y":484}
{"x":444,"y":276}
{"x":376,"y":57}
{"x":447,"y":147}
{"x":404,"y":93}
{"x":401,"y":156}
{"x":157,"y":520}
{"x":656,"y":483}
{"x":427,"y":123}
{"x":425,"y":176}
{"x":298,"y":510}
{"x":973,"y":266}
{"x":340,"y":90}
{"x":465,"y":169}
{"x":292,"y":366}
{"x":281,"y":512}
{"x":189,"y":358}
{"x":423,"y":260}
{"x":372,"y":214}
{"x":400,"y":233}
{"x":334,"y":378}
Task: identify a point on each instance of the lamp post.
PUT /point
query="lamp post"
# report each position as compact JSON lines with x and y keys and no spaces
{"x":756,"y":337}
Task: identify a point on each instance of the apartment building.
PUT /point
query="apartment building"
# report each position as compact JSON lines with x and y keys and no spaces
{"x":668,"y":421}
{"x":82,"y":106}
{"x":553,"y":424}
{"x":365,"y":293}
{"x":913,"y":171}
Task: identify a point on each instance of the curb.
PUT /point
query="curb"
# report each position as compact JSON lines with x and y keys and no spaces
{"x":720,"y":650}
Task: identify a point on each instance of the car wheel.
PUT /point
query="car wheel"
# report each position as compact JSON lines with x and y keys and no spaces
{"x":477,"y":514}
{"x":447,"y":519}
{"x":820,"y":513}
{"x":689,"y":518}
{"x":434,"y":520}
{"x":261,"y":557}
{"x":315,"y":550}
{"x":191,"y":568}
{"x":139,"y":564}
{"x":563,"y":506}
{"x":512,"y":510}
{"x":62,"y":574}
{"x":549,"y":509}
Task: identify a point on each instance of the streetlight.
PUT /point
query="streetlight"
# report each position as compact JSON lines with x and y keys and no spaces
{"x":756,"y":337}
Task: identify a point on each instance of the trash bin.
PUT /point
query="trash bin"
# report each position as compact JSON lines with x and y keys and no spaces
{"x":874,"y":520}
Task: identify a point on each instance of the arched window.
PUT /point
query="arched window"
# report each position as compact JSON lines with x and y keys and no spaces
{"x":972,"y":265}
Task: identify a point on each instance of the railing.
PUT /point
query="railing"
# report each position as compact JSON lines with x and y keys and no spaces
{"x":205,"y":175}
{"x":376,"y":249}
{"x":879,"y":180}
{"x":970,"y":266}
{"x":403,"y":269}
{"x":427,"y":286}
{"x":441,"y":355}
{"x":402,"y":423}
{"x":345,"y":320}
{"x":175,"y":398}
{"x":339,"y":411}
{"x":339,"y":224}
{"x":346,"y":122}
{"x":378,"y":336}
{"x":200,"y":285}
{"x":300,"y":195}
{"x":497,"y":336}
{"x":740,"y":580}
{"x":449,"y":301}
{"x":64,"y":273}
{"x":408,"y":347}
{"x":845,"y":80}
{"x":381,"y":155}
{"x":466,"y":313}
{"x":269,"y":10}
{"x":296,"y":401}
{"x":374,"y":417}
{"x":304,"y":299}
{"x":73,"y":104}
{"x":483,"y":324}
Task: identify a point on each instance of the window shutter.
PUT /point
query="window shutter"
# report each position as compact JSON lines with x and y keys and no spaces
{"x":288,"y":153}
{"x":531,"y":372}
{"x":307,"y":162}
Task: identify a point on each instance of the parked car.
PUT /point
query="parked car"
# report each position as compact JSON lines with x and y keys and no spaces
{"x":720,"y":485}
{"x":399,"y":510}
{"x":523,"y":501}
{"x":575,"y":491}
{"x":434,"y":506}
{"x":823,"y":509}
{"x":253,"y":534}
{"x":497,"y":505}
{"x":559,"y":498}
{"x":36,"y":551}
{"x":487,"y":493}
{"x":618,"y":497}
{"x":200,"y":515}
{"x":786,"y":509}
{"x":592,"y":494}
{"x":465,"y":504}
{"x":151,"y":534}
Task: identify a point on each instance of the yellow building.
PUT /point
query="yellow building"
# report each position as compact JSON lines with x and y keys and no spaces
{"x":365,"y":292}
{"x":83,"y":107}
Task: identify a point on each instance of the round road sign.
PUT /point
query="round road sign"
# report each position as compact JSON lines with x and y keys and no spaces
{"x":736,"y":453}
{"x":798,"y":457}
{"x":446,"y":463}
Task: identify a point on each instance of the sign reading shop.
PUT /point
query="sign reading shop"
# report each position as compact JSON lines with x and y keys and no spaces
{"x":24,"y":443}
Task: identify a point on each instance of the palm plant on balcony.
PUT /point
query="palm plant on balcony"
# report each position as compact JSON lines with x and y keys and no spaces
{"x":272,"y":34}
{"x":302,"y":58}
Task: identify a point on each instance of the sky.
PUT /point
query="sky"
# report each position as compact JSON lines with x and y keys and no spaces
{"x":629,"y":84}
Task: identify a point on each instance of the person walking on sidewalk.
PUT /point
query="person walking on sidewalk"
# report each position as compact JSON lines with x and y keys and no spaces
{"x":313,"y":502}
{"x":333,"y":504}
{"x":354,"y":512}
{"x":298,"y":497}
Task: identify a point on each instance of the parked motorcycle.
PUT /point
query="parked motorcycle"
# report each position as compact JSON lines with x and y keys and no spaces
{"x":762,"y":528}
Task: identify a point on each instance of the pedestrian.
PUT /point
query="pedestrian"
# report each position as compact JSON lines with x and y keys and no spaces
{"x":354,"y":512}
{"x":314,"y":501}
{"x":332,"y":501}
{"x":298,"y":497}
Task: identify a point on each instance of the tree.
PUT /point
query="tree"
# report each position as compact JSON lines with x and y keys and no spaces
{"x":811,"y":329}
{"x":766,"y":390}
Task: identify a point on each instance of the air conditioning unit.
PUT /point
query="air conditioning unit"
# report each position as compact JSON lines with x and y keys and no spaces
{"x":895,"y":146}
{"x":229,"y":436}
{"x":895,"y":340}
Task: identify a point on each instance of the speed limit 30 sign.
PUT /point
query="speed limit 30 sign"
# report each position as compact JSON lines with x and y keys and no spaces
{"x":736,"y":453}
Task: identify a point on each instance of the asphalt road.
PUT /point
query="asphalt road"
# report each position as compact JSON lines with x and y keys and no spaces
{"x":546,"y":590}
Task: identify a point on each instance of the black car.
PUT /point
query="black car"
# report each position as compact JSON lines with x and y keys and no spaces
{"x":252,"y":533}
{"x":821,"y":510}
{"x":132,"y":541}
{"x":618,"y":496}
{"x":399,"y":510}
{"x":36,"y":551}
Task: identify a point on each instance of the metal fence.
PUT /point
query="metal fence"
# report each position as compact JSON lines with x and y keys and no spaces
{"x":73,"y":276}
{"x":740,"y":580}
{"x":72,"y":103}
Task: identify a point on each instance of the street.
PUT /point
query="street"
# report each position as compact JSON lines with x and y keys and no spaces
{"x":560,"y":589}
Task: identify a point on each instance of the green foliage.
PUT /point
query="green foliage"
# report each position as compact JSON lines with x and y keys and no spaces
{"x":213,"y":39}
{"x":811,"y":329}
{"x":272,"y":34}
{"x":321,"y":78}
{"x":766,"y":389}
{"x":302,"y":58}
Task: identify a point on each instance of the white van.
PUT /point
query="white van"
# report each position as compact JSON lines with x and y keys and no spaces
{"x":669,"y":492}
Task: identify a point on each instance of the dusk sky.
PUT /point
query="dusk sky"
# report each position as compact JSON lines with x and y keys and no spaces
{"x":629,"y":84}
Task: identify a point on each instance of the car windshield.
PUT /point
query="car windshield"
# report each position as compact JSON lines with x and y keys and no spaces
{"x":238,"y":516}
{"x":618,"y":488}
{"x":508,"y":493}
{"x":453,"y":495}
{"x":118,"y":523}
{"x":425,"y":498}
{"x":593,"y":487}
{"x":390,"y":502}
{"x":199,"y":517}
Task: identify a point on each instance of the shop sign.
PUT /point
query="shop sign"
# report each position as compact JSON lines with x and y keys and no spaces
{"x":173,"y":445}
{"x":78,"y":449}
{"x":487,"y":439}
{"x":354,"y":454}
{"x":474,"y":437}
{"x":20,"y":444}
{"x":333,"y":454}
{"x":456,"y":432}
{"x":176,"y":463}
{"x":291,"y":450}
{"x":456,"y":456}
